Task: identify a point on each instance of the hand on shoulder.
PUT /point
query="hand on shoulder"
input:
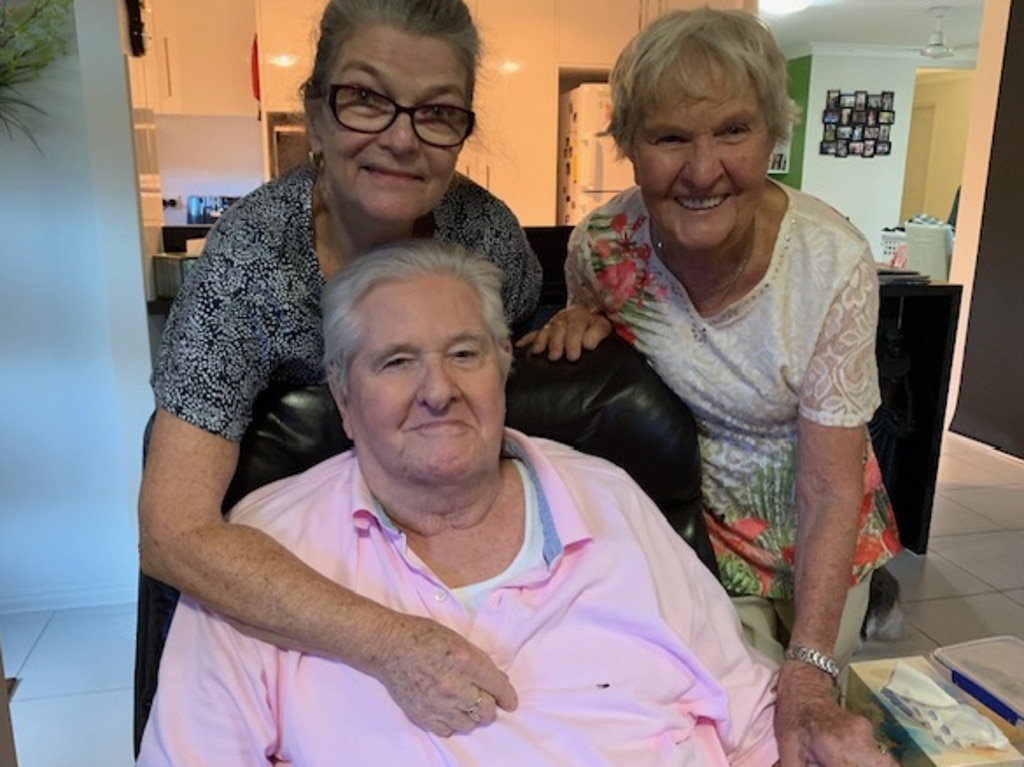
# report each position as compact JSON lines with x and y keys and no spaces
{"x":571,"y":331}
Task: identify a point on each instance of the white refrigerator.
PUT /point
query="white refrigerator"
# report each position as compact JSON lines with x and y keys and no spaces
{"x":590,"y":171}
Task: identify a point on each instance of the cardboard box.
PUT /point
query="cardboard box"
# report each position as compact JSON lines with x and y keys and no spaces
{"x":912,"y":744}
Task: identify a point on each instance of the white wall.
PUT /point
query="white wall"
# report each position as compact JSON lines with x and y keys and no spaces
{"x":74,"y":356}
{"x":203,"y":155}
{"x":866,"y":190}
{"x":947,"y":94}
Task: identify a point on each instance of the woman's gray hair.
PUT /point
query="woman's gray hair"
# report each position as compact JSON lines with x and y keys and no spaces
{"x":343,"y":327}
{"x":699,"y":54}
{"x":447,"y":20}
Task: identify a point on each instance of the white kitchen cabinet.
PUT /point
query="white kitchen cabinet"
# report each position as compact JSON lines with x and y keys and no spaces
{"x":203,"y":55}
{"x":514,"y":149}
{"x":591,"y":33}
{"x":654,"y":8}
{"x":287,"y":33}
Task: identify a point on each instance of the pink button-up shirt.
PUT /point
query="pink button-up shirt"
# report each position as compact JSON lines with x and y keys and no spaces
{"x":622,"y":647}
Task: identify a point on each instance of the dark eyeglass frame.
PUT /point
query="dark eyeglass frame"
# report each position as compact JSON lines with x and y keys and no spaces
{"x":332,"y":104}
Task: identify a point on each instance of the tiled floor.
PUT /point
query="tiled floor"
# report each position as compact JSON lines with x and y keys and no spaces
{"x":73,"y":706}
{"x":971,"y":582}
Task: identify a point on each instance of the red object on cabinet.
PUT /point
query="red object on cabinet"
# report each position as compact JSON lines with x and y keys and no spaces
{"x":255,"y":66}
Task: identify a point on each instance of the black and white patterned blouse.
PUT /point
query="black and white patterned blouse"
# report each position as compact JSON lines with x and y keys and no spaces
{"x":248,"y":315}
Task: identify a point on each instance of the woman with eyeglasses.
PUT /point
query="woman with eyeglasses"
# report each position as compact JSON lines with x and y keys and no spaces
{"x":388,"y":107}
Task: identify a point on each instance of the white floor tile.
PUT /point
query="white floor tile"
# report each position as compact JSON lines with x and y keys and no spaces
{"x":1008,"y":469}
{"x":82,"y":650}
{"x":949,"y":517}
{"x":956,"y":472}
{"x":932,"y":577}
{"x":959,"y":619}
{"x":957,"y":444}
{"x":1004,"y":506}
{"x":915,"y":643}
{"x":996,"y":558}
{"x":19,"y":633}
{"x":1004,"y":468}
{"x":92,"y":730}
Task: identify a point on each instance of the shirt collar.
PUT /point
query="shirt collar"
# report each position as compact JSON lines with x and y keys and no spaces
{"x":561,"y":522}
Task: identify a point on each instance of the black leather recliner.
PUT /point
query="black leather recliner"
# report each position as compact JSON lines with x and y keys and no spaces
{"x":610,"y":404}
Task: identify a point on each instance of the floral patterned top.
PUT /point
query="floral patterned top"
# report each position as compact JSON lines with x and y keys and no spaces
{"x":801,"y":343}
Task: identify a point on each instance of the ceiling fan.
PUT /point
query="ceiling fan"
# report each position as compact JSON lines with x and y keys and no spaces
{"x":937,"y":47}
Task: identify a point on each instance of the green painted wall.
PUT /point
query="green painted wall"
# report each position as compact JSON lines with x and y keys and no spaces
{"x":799,"y":88}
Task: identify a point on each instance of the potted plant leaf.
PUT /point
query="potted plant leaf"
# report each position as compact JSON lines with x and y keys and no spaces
{"x":32,"y":34}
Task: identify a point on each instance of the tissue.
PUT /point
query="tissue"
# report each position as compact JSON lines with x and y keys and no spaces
{"x":950,"y":723}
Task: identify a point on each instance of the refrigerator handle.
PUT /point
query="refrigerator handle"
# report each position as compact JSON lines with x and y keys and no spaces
{"x":596,"y":165}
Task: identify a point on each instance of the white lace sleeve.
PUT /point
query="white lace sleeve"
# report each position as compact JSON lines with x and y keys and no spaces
{"x":841,"y":384}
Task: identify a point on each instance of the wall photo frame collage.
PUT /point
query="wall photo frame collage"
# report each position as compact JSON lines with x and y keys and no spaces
{"x":857,"y":124}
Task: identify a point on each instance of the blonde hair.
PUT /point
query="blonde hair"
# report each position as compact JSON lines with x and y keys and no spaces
{"x":697,"y":55}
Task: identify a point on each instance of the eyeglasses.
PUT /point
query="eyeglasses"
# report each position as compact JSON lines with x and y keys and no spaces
{"x":365,"y":111}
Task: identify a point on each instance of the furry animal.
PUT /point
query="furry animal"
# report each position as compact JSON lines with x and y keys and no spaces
{"x":884,"y":620}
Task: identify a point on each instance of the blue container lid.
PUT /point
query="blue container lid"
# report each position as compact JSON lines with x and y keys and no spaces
{"x":991,"y":670}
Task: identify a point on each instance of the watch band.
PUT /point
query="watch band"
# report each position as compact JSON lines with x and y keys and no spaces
{"x":815,"y":658}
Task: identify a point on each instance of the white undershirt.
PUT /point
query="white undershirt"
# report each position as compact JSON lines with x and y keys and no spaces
{"x":531,"y":553}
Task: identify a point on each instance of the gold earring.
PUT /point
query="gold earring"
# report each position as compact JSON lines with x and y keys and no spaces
{"x":316,"y":158}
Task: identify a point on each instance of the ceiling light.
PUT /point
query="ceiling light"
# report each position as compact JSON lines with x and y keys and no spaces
{"x":284,"y":60}
{"x":509,"y":67}
{"x":782,"y":7}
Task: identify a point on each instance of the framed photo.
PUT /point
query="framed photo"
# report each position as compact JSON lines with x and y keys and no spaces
{"x":855,"y":124}
{"x":779,"y":161}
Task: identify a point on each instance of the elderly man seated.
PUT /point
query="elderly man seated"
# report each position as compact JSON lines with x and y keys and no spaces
{"x":622,"y":647}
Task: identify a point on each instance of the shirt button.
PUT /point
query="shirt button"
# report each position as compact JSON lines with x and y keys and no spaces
{"x":440,"y":596}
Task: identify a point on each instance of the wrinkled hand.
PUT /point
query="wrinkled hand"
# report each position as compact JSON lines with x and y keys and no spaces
{"x":813,"y":729}
{"x":440,"y":681}
{"x":568,"y":333}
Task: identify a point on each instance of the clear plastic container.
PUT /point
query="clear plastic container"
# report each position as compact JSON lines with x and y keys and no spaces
{"x":991,"y":670}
